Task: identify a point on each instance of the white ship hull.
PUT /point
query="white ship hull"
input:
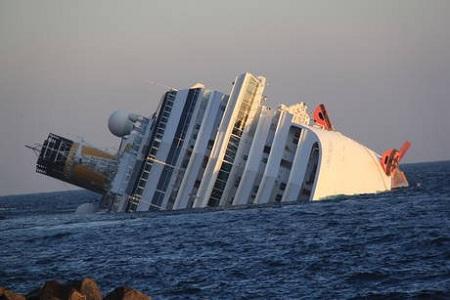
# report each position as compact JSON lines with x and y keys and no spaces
{"x":203,"y":148}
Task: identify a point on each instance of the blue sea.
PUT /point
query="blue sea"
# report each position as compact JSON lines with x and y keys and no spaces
{"x":385,"y":246}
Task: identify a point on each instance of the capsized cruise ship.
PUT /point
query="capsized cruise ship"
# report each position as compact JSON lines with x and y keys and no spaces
{"x":204,"y":148}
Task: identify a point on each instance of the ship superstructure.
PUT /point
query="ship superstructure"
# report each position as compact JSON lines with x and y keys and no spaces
{"x":203,"y":148}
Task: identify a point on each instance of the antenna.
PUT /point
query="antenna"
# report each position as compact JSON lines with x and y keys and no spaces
{"x":36,"y":148}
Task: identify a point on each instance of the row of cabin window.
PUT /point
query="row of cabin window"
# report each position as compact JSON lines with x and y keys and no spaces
{"x":174,"y":152}
{"x":159,"y":131}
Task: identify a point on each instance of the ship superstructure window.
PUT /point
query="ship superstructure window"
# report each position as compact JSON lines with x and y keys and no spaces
{"x":155,"y":141}
{"x":254,"y":191}
{"x":175,"y":148}
{"x":186,"y":194}
{"x":286,"y":163}
{"x":267,"y":148}
{"x":310,"y":175}
{"x":185,"y":158}
{"x":233,"y":142}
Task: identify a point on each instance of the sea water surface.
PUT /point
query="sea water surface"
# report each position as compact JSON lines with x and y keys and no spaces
{"x":390,"y":245}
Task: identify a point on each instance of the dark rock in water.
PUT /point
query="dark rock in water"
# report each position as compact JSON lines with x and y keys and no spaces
{"x":85,"y":289}
{"x":89,"y":288}
{"x":6,"y":294}
{"x":53,"y":290}
{"x":125,"y":293}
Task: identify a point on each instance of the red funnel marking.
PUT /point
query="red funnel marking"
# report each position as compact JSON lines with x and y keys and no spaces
{"x":321,"y":117}
{"x":391,"y":158}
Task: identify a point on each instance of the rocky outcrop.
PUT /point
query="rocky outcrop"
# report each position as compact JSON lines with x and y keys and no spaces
{"x":85,"y":289}
{"x":53,"y":290}
{"x":89,"y":288}
{"x":6,"y":294}
{"x":125,"y":293}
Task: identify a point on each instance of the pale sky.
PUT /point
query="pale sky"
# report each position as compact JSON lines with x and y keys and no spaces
{"x":382,"y":68}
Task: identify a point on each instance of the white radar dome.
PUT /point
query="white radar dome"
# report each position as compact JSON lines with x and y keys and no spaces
{"x":119,"y":123}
